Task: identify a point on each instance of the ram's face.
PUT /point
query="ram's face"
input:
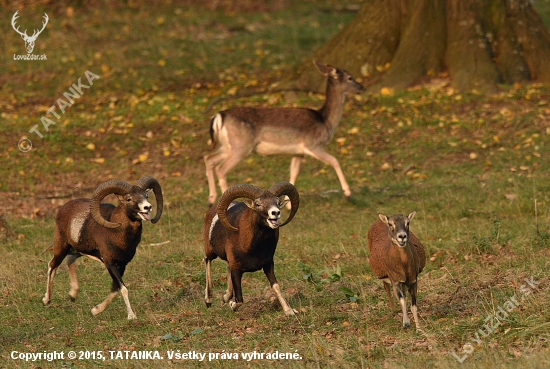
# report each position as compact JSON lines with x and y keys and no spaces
{"x":137,"y":205}
{"x":268,"y":207}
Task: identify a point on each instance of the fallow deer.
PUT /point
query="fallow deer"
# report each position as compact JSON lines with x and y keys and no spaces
{"x":237,"y":132}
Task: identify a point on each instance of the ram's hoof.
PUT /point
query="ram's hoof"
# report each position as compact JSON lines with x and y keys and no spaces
{"x":291,"y":312}
{"x":234,"y":305}
{"x":227,"y":297}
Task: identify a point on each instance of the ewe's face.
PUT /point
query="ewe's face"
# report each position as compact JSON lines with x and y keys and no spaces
{"x":399,"y":229}
{"x":137,"y":205}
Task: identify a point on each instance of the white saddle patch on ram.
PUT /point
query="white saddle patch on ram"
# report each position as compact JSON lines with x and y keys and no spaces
{"x":215,"y":220}
{"x":76,"y":226}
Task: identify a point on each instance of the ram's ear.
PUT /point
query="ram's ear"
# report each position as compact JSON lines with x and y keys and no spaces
{"x":249,"y":203}
{"x":283,"y":202}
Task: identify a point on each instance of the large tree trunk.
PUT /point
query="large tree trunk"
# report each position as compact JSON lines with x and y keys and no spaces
{"x":479,"y":43}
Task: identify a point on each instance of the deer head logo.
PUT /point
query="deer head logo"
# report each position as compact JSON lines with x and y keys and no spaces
{"x":29,"y":40}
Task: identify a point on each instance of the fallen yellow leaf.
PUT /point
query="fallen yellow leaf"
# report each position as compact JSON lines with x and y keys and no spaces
{"x":143,"y":157}
{"x":386,"y":91}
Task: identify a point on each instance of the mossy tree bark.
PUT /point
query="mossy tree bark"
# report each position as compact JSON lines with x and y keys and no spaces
{"x":479,"y":43}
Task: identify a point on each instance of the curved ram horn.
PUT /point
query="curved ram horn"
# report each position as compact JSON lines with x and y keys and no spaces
{"x":151,"y":183}
{"x":288,"y":189}
{"x":242,"y":190}
{"x":107,"y":188}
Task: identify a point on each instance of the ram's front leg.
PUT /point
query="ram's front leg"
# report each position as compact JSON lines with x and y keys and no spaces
{"x":269,"y":271}
{"x":99,"y":308}
{"x":236,"y":277}
{"x":116,"y":273}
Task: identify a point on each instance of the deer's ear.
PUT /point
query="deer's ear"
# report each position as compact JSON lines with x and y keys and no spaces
{"x":327,"y":70}
{"x":322,"y":68}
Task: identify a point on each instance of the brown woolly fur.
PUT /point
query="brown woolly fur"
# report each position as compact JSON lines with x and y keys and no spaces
{"x":397,"y":257}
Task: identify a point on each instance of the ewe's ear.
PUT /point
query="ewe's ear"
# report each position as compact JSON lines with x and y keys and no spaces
{"x":383,"y":218}
{"x":411,"y":215}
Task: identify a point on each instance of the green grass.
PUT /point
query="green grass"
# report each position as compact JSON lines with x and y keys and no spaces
{"x":472,"y":167}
